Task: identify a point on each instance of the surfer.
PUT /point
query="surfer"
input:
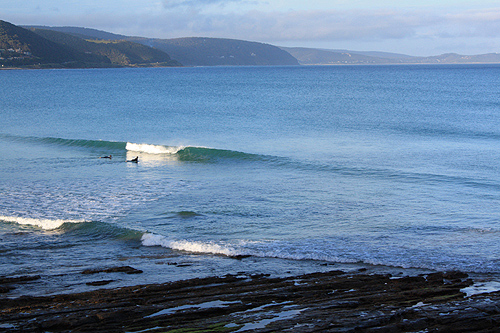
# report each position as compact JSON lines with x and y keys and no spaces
{"x":106,"y":157}
{"x":134,"y":160}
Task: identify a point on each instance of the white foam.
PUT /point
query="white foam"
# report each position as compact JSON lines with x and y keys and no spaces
{"x":284,"y":315}
{"x":184,"y":245}
{"x":46,"y":224}
{"x":206,"y":305}
{"x":482,"y":288}
{"x":260,"y":249}
{"x":270,"y":316}
{"x":152,"y":149}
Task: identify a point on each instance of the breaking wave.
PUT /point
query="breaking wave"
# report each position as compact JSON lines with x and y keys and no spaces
{"x":152,"y":149}
{"x":253,"y":249}
{"x":83,"y":228}
{"x":45,"y":224}
{"x":149,"y":239}
{"x":327,"y":250}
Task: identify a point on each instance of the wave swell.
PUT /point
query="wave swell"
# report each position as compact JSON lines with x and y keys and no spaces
{"x":257,"y":249}
{"x":182,"y":153}
{"x":316,"y":250}
{"x":81,"y":228}
{"x":102,"y":144}
{"x":214,"y":155}
{"x":329,"y":250}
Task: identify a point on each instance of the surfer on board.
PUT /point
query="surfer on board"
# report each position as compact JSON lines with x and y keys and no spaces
{"x":106,"y":157}
{"x":134,"y":160}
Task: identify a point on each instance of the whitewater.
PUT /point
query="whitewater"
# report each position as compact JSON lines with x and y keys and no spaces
{"x":268,"y":170}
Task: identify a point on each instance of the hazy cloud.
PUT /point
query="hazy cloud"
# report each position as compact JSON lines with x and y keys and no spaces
{"x":196,"y":3}
{"x":285,"y":26}
{"x":344,"y":25}
{"x":294,"y":25}
{"x":477,"y":23}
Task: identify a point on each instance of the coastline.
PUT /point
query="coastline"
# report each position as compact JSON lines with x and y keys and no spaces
{"x":300,"y":65}
{"x":318,"y":302}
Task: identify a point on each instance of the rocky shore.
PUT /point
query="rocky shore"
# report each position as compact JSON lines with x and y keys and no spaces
{"x":334,"y":301}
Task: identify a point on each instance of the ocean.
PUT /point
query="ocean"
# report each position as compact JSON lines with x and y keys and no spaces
{"x":247,"y":170}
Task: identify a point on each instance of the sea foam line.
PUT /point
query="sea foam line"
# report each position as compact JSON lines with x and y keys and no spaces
{"x":149,"y":239}
{"x":152,"y":149}
{"x":271,"y":250}
{"x":45,"y":224}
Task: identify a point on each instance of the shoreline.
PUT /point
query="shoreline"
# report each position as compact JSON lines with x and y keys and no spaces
{"x":317,"y":302}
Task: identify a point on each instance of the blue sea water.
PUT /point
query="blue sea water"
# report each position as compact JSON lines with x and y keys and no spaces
{"x":278,"y":170}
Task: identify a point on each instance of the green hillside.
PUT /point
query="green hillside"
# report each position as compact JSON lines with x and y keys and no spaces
{"x":21,"y":47}
{"x":39,"y":48}
{"x":121,"y":53}
{"x":197,"y":51}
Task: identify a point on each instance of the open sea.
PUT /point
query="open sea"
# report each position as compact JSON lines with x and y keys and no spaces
{"x":247,"y":170}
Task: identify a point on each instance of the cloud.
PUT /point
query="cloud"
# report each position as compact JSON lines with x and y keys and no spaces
{"x":293,"y":25}
{"x":474,"y":23}
{"x":254,"y":20}
{"x":336,"y":25}
{"x":169,"y":4}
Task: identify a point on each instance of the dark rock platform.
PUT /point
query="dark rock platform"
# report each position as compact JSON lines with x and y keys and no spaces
{"x":320,"y":302}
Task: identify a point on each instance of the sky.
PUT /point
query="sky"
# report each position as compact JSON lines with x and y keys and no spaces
{"x":420,"y":28}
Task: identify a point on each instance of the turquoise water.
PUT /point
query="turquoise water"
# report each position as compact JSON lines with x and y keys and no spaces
{"x":289,"y":169}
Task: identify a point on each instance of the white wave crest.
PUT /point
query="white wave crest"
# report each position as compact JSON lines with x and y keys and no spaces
{"x":45,"y":224}
{"x":152,"y":149}
{"x":255,"y":249}
{"x":188,"y":246}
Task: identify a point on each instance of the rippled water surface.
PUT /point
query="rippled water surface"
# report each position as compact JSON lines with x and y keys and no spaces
{"x":288,"y":169}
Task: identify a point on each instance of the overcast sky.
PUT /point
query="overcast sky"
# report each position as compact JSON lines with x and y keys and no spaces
{"x":423,"y":27}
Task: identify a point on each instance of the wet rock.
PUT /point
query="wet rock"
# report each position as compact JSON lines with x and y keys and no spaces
{"x":259,"y":276}
{"x":184,"y":265}
{"x":99,"y":283}
{"x":121,"y":269}
{"x":6,"y":283}
{"x":240,"y":256}
{"x":455,"y":276}
{"x":4,"y":289}
{"x":319,"y":302}
{"x":19,"y":279}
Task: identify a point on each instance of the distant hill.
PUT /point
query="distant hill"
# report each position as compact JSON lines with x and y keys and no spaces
{"x":453,"y":58}
{"x":122,"y":53}
{"x":39,"y":48}
{"x":21,"y":47}
{"x":198,"y":51}
{"x":378,"y":54}
{"x":309,"y":56}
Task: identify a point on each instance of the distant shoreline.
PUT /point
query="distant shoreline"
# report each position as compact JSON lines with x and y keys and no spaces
{"x":302,"y":65}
